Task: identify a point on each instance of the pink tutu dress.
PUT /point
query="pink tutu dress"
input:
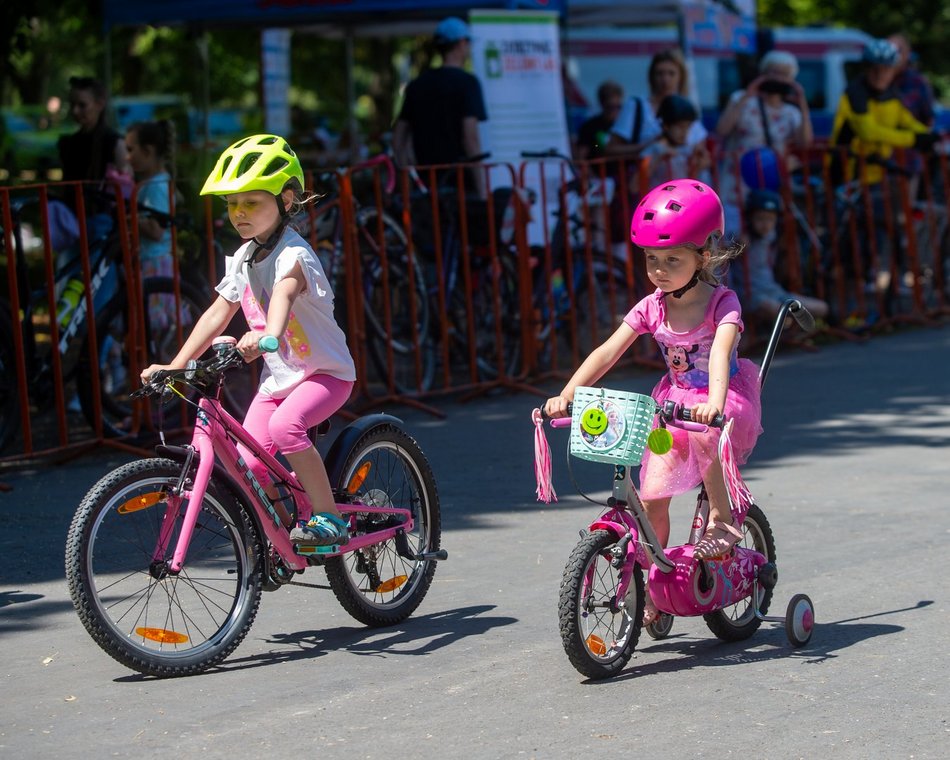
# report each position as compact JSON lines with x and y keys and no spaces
{"x":687,"y":383}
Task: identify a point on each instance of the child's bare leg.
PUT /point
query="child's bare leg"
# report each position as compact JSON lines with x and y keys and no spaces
{"x":719,"y":509}
{"x":308,"y":467}
{"x":658,"y":512}
{"x":721,"y":535}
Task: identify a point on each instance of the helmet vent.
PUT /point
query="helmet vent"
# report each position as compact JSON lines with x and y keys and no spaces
{"x":648,"y":216}
{"x":674,"y":206}
{"x":276,"y":165}
{"x":247,"y":163}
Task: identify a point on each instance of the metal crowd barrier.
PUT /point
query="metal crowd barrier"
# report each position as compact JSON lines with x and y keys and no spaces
{"x":441,"y":292}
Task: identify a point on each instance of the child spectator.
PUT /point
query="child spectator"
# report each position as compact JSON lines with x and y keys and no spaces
{"x":754,"y":281}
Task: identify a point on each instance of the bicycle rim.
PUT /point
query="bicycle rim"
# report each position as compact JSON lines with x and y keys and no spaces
{"x":598,"y":631}
{"x":147,"y":619}
{"x":377,"y":585}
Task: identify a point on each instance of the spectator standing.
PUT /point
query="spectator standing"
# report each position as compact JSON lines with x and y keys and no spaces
{"x":594,"y":134}
{"x":871,"y":121}
{"x":150,"y":146}
{"x":438,"y":123}
{"x":912,"y":87}
{"x":95,"y":150}
{"x":771,"y":112}
{"x":637,"y":123}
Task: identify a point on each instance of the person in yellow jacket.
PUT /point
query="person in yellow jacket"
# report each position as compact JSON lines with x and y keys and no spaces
{"x":871,"y":120}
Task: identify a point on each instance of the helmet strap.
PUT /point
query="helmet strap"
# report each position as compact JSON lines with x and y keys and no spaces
{"x":263,"y":249}
{"x":678,"y":293}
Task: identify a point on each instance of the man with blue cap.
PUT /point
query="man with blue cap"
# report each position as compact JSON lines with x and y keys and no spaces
{"x":438,"y":123}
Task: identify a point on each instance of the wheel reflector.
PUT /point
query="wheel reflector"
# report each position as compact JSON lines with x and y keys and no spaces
{"x":358,"y":478}
{"x":391,"y":585}
{"x":144,"y":501}
{"x":596,"y":644}
{"x":161,"y":635}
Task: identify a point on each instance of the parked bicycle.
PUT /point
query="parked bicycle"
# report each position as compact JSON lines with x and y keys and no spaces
{"x":392,"y":287}
{"x":166,"y":557}
{"x":61,"y":309}
{"x":580,"y":288}
{"x":602,"y":593}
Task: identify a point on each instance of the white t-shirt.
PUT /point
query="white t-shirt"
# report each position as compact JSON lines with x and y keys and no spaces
{"x":313,"y":342}
{"x":650,"y":125}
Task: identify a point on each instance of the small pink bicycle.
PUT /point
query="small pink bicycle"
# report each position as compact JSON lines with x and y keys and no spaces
{"x":602,"y":593}
{"x":166,"y":557}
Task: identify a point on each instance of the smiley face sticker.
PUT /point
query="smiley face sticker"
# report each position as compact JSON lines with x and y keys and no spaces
{"x":594,"y":421}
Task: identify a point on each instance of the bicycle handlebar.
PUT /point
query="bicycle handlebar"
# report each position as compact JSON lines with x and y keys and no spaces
{"x":670,"y":413}
{"x":197,"y":371}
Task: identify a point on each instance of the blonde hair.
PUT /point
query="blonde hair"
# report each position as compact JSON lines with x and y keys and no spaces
{"x":721,"y":251}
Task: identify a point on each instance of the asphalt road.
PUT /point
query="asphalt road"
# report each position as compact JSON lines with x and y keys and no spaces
{"x":852,"y":472}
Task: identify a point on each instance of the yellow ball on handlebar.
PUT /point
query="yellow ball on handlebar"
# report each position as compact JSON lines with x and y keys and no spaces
{"x":660,"y":441}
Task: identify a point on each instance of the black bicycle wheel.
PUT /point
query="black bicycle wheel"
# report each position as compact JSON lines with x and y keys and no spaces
{"x":601,"y":301}
{"x":739,"y":622}
{"x":9,"y":395}
{"x":408,"y":345}
{"x":377,"y":585}
{"x":163,"y":340}
{"x":146,"y":618}
{"x":599,"y":631}
{"x":496,"y":327}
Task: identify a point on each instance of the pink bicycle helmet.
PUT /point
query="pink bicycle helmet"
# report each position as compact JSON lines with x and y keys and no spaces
{"x":676,"y":213}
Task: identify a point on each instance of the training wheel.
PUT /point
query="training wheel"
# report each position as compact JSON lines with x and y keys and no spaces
{"x":661,"y":627}
{"x":799,"y":620}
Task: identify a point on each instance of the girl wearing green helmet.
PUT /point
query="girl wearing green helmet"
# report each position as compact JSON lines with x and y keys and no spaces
{"x":278,"y":282}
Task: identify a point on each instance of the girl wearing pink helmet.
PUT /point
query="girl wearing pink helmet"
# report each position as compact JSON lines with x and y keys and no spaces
{"x":696,"y":323}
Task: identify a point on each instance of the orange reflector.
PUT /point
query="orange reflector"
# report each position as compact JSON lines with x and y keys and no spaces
{"x":596,"y":645}
{"x":358,"y":477}
{"x":144,"y":501}
{"x":391,"y":585}
{"x":161,"y":635}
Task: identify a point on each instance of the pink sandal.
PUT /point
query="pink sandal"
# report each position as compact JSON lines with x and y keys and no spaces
{"x":717,"y":541}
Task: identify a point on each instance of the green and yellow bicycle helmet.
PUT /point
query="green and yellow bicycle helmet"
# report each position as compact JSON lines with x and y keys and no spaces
{"x":259,"y":162}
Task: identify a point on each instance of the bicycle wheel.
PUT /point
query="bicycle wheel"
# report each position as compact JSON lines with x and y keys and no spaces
{"x":488,"y":325}
{"x":9,"y":396}
{"x":377,"y":585}
{"x":738,"y":622}
{"x":112,"y":335}
{"x":151,"y":621}
{"x":600,"y":299}
{"x":599,"y":632}
{"x":405,"y":341}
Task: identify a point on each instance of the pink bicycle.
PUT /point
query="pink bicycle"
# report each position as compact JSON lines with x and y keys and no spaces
{"x":602,"y":593}
{"x":166,"y":557}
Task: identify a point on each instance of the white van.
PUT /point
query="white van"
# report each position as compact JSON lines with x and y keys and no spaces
{"x":825,"y":57}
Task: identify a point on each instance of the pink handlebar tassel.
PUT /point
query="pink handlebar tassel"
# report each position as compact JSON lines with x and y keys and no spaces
{"x":542,"y":460}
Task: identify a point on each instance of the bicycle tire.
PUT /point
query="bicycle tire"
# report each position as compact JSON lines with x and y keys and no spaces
{"x":400,"y":476}
{"x":487,"y":277}
{"x":598,"y":635}
{"x":738,"y":622}
{"x":112,"y":335}
{"x":405,"y":342}
{"x":162,"y":625}
{"x":9,"y":386}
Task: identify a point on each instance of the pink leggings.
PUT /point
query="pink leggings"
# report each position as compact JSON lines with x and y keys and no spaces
{"x":282,"y":423}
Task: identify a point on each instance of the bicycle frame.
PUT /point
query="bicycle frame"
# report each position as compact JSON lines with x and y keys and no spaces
{"x":214,"y":437}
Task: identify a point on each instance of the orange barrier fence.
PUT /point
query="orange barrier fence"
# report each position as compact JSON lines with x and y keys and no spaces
{"x":449,"y":280}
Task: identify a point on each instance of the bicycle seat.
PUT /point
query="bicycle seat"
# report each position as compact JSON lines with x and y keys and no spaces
{"x":320,"y":430}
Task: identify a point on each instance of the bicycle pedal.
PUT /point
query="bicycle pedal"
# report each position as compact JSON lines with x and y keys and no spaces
{"x":308,"y":551}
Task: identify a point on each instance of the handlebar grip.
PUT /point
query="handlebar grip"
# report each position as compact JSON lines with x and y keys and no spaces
{"x":268,"y":344}
{"x":687,"y":416}
{"x":802,"y":316}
